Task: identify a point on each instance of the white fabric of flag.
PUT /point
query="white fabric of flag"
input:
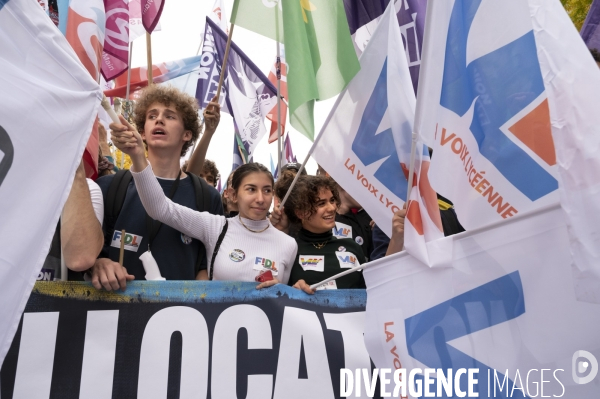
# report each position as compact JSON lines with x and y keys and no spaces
{"x":48,"y":104}
{"x":366,"y":141}
{"x":508,"y":102}
{"x":506,"y":306}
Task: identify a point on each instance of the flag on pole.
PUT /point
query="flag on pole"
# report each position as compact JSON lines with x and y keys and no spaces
{"x":241,"y":155}
{"x":510,"y":112}
{"x":161,"y":73}
{"x":320,"y":54}
{"x":246,"y":94}
{"x":484,"y":108}
{"x":136,"y":28}
{"x":589,"y":31}
{"x":273,"y":169}
{"x":85,"y":27}
{"x":37,"y":68}
{"x":219,"y":16}
{"x":489,"y":311}
{"x":115,"y":57}
{"x":282,"y":70}
{"x":151,"y":12}
{"x":363,"y":18}
{"x":365,"y":142}
{"x":260,"y":16}
{"x":288,"y":152}
{"x":319,"y":49}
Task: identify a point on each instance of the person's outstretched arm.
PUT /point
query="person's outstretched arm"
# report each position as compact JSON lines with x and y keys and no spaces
{"x":200,"y":225}
{"x":212,"y":116}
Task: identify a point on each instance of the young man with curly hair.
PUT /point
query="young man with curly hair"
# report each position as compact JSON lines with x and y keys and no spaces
{"x":168,"y":122}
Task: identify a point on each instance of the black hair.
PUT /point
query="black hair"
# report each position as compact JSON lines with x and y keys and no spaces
{"x":247,"y":169}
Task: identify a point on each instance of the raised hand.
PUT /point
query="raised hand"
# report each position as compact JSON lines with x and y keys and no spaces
{"x":126,"y":138}
{"x":212,"y":116}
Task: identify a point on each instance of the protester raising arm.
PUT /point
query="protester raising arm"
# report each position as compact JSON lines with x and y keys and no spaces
{"x":212,"y":116}
{"x":248,"y":246}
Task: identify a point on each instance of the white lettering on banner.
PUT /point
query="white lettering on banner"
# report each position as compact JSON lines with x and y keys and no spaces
{"x":118,"y":39}
{"x":355,"y":352}
{"x":156,"y":345}
{"x":224,"y":351}
{"x":99,"y":354}
{"x":36,"y":355}
{"x":302,"y":328}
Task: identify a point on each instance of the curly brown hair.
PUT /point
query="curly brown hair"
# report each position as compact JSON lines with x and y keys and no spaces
{"x":210,"y":167}
{"x":305,"y":194}
{"x":185,"y":105}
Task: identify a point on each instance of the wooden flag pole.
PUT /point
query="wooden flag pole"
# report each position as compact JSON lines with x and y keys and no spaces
{"x":222,"y":77}
{"x":122,"y":249}
{"x":149,"y":56}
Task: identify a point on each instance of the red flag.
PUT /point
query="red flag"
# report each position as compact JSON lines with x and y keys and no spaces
{"x":151,"y":11}
{"x":272,"y":116}
{"x":87,"y":44}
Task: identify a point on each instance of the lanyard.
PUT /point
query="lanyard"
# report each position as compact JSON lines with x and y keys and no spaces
{"x":153,"y":226}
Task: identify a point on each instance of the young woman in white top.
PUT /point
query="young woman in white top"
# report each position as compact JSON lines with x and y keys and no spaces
{"x":250,"y":245}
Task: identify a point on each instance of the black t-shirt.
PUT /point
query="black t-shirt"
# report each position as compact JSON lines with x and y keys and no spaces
{"x":175,"y":253}
{"x":314,"y":264}
{"x":356,"y":226}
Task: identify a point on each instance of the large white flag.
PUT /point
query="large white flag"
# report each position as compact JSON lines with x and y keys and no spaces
{"x":366,"y":141}
{"x":508,"y":101}
{"x":507,"y":307}
{"x":48,"y":103}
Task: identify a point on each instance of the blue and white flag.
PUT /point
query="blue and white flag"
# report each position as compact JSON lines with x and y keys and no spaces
{"x":505,"y":312}
{"x":48,"y":104}
{"x":508,"y":100}
{"x":246,"y":94}
{"x":365,"y":143}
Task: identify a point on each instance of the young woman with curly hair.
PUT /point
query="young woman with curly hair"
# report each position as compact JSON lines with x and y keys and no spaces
{"x":312,"y":204}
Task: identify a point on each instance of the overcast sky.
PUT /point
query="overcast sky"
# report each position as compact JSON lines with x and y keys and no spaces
{"x":182,"y":24}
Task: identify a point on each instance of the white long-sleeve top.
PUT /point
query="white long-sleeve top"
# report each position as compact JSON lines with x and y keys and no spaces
{"x":242,"y":255}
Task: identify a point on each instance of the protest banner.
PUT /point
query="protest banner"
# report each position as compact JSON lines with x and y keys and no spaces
{"x":188,"y":339}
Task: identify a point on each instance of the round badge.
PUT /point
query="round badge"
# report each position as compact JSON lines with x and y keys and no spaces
{"x":237,"y":255}
{"x":359,"y":240}
{"x":342,"y":249}
{"x":187,"y":240}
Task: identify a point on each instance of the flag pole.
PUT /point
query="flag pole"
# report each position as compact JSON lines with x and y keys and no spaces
{"x":312,"y":148}
{"x":129,"y":71}
{"x":278,"y":73}
{"x":411,"y":169}
{"x":225,"y":62}
{"x":149,"y":57}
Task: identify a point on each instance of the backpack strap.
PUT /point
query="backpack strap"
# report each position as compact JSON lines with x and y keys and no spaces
{"x":216,"y":251}
{"x":113,"y":203}
{"x":202,"y":193}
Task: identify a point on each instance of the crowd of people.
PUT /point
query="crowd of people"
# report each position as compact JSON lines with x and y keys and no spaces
{"x":175,"y":216}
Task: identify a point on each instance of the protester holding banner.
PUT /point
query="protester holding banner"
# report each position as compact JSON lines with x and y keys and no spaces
{"x":312,"y":204}
{"x":169,"y":120}
{"x":241,"y":248}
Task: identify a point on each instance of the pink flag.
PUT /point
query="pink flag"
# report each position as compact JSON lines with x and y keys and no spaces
{"x":116,"y":41}
{"x":272,"y":116}
{"x":151,"y":11}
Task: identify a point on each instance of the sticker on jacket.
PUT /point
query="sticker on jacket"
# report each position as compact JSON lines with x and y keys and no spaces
{"x":313,"y":263}
{"x":342,"y":230}
{"x":347,"y":259}
{"x":132,"y":241}
{"x":265,"y":264}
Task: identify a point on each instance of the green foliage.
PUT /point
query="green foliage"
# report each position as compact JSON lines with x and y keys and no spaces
{"x":577,"y":10}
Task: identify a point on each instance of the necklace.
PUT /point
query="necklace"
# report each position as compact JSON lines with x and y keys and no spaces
{"x":249,"y":229}
{"x":319,"y":245}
